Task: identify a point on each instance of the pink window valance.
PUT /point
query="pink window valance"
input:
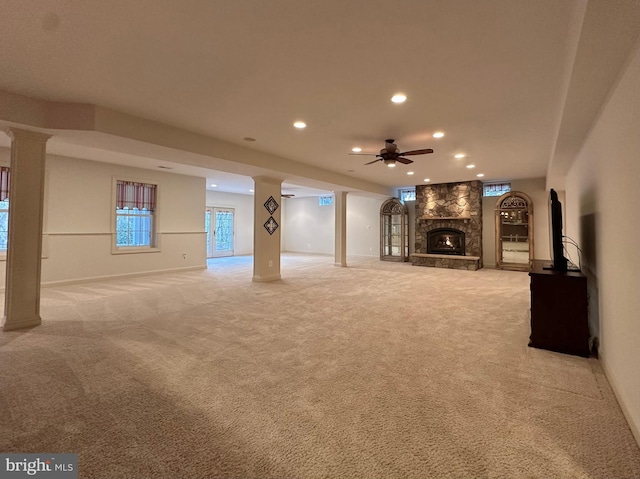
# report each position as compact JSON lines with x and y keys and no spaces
{"x":130,"y":194}
{"x":5,"y":177}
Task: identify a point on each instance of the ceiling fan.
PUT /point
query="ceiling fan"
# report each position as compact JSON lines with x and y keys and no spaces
{"x":390,"y":154}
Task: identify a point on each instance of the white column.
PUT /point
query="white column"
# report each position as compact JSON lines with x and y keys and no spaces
{"x":267,"y":226}
{"x":24,"y":248}
{"x":340,"y":250}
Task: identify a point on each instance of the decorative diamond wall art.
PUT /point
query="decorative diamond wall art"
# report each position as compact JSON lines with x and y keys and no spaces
{"x":271,"y":205}
{"x":271,"y":225}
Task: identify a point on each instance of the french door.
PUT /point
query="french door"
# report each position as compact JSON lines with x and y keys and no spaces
{"x":218,"y":223}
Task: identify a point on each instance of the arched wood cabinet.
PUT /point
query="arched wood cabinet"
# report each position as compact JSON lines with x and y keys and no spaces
{"x":394,"y":231}
{"x":514,"y":231}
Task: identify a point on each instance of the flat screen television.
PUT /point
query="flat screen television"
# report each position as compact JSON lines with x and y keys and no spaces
{"x":559,"y":261}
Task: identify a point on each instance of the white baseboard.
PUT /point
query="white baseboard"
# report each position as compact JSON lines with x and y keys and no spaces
{"x":310,"y":253}
{"x":90,"y":279}
{"x":635,"y":428}
{"x":319,"y":253}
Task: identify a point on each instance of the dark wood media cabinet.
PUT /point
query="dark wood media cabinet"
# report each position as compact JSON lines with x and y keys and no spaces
{"x":559,"y":303}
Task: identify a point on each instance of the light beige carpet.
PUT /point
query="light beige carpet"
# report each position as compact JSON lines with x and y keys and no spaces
{"x":378,"y":370}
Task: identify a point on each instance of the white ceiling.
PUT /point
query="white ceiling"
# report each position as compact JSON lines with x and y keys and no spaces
{"x":493,"y":75}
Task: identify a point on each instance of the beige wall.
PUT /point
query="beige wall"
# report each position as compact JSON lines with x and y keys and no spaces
{"x":602,"y":197}
{"x":309,"y":228}
{"x":78,"y":221}
{"x":363,"y":225}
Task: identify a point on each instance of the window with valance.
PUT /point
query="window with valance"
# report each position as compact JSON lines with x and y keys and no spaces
{"x":135,"y":208}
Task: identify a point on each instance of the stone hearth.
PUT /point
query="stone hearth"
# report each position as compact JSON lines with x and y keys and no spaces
{"x":449,"y":206}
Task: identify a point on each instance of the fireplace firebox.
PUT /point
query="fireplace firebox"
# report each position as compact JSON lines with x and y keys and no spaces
{"x":445,"y":241}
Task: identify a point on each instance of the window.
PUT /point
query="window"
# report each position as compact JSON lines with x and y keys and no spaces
{"x":325,"y":200}
{"x":496,"y":189}
{"x":135,"y":208}
{"x":4,"y":224}
{"x":407,"y":194}
{"x":134,"y":227}
{"x":4,"y":207}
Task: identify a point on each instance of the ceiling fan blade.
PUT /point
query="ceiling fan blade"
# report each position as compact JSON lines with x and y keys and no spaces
{"x":406,"y":161}
{"x":371,"y":162}
{"x":417,"y":152}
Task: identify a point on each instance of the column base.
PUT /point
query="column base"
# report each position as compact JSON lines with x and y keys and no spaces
{"x":340,"y":265}
{"x":21,"y":323}
{"x":266,"y":279}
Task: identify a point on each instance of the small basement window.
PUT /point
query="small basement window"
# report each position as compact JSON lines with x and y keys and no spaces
{"x":325,"y":200}
{"x":495,"y":189}
{"x":407,"y":194}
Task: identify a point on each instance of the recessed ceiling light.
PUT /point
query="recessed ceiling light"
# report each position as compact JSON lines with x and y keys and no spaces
{"x":438,"y":134}
{"x":248,"y":138}
{"x":471,"y":166}
{"x":427,"y":180}
{"x":459,"y":155}
{"x":399,"y":98}
{"x":356,"y":149}
{"x":213,"y":185}
{"x":300,"y":125}
{"x":480,"y":175}
{"x":409,"y":172}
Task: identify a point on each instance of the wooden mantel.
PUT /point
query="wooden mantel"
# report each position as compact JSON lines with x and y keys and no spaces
{"x":446,"y":218}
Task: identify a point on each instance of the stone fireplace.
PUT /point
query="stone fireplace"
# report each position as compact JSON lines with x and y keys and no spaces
{"x":449,"y":225}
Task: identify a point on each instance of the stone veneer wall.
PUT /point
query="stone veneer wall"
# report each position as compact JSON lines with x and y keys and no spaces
{"x":450,"y":205}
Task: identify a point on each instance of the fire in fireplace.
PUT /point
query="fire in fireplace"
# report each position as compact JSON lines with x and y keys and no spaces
{"x":445,"y":241}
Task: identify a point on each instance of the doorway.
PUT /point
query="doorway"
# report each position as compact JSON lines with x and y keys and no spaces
{"x":219,"y":225}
